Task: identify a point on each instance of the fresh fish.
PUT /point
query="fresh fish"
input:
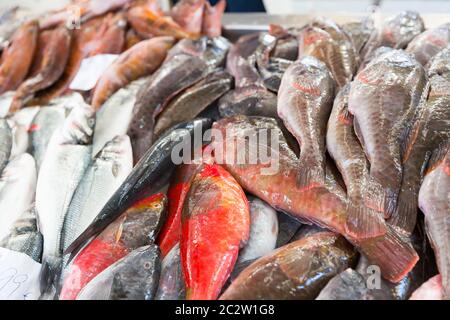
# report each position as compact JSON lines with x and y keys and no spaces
{"x":275,"y":180}
{"x":25,"y":116}
{"x":178,"y":189}
{"x":179,"y":72}
{"x":434,"y":203}
{"x":171,"y":282}
{"x":134,"y":228}
{"x":427,"y":44}
{"x":6,"y":141}
{"x":306,"y":231}
{"x":24,"y":236}
{"x":345,"y":149}
{"x":215,"y":224}
{"x":67,"y":157}
{"x":48,"y":65}
{"x":383,"y":99}
{"x":263,"y":231}
{"x":359,"y":32}
{"x":188,"y":14}
{"x":212,"y":18}
{"x":131,"y":39}
{"x":20,"y":139}
{"x":105,"y":174}
{"x":134,"y":277}
{"x":430,"y":290}
{"x":375,"y":54}
{"x":17,"y":187}
{"x":139,"y":61}
{"x":146,"y":178}
{"x":305,"y":101}
{"x":5,"y":102}
{"x":9,"y":23}
{"x":298,"y":270}
{"x":287,"y":228}
{"x":115,"y":114}
{"x":16,"y":59}
{"x":287,"y":42}
{"x":192,"y":101}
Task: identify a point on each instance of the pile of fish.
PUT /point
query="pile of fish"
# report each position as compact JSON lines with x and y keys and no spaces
{"x":357,"y":207}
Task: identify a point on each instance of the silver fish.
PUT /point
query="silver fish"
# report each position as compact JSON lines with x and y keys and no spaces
{"x":20,"y":138}
{"x":5,"y":102}
{"x":171,"y":283}
{"x":25,"y":116}
{"x":5,"y":143}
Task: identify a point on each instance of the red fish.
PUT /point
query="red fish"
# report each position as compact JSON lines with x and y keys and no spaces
{"x":133,"y":229}
{"x":212,"y":19}
{"x":215,"y":224}
{"x":188,"y":14}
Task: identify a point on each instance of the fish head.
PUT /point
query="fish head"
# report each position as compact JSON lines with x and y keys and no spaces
{"x":118,"y":152}
{"x":399,"y":30}
{"x":78,"y":126}
{"x":311,"y":40}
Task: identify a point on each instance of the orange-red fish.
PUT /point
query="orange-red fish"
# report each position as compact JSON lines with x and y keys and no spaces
{"x":189,"y":15}
{"x":212,"y":19}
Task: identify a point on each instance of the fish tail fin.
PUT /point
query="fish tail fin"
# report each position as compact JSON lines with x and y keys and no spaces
{"x":363,"y":222}
{"x":49,"y":277}
{"x":404,"y":217}
{"x":390,"y":253}
{"x":311,"y":173}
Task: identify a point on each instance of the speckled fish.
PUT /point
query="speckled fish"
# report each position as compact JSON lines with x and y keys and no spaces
{"x":138,"y":61}
{"x":187,"y":63}
{"x":298,"y":270}
{"x":325,"y":205}
{"x":17,"y":188}
{"x":305,"y":100}
{"x":326,"y":41}
{"x":263,"y":231}
{"x":134,"y":277}
{"x":48,"y":65}
{"x":147,"y":177}
{"x":215,"y":224}
{"x":5,"y":143}
{"x":348,"y":154}
{"x":189,"y":15}
{"x":429,"y":290}
{"x":434,"y":203}
{"x":67,"y":157}
{"x":105,"y":174}
{"x":384,"y":98}
{"x":427,"y":44}
{"x":17,"y":58}
{"x":359,"y":32}
{"x":134,"y":228}
{"x":192,"y":101}
{"x":212,"y":18}
{"x":24,"y":236}
{"x":171,"y":282}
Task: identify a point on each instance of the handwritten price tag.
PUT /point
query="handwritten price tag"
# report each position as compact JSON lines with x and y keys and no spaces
{"x":91,"y":70}
{"x":19,"y":276}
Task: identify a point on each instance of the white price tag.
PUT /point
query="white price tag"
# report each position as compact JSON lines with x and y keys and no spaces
{"x":91,"y":70}
{"x":19,"y":276}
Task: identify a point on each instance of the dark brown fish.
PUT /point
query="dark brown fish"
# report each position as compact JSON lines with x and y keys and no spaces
{"x":189,"y":15}
{"x":384,"y":98}
{"x":212,"y":18}
{"x":305,"y":100}
{"x":17,"y":58}
{"x":298,"y":270}
{"x":359,"y":32}
{"x":348,"y":154}
{"x":287,"y":228}
{"x":48,"y":65}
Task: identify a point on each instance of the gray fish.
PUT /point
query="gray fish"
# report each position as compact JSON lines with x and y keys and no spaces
{"x":359,"y":32}
{"x":24,"y":236}
{"x":171,"y":283}
{"x":287,"y":228}
{"x":20,"y":138}
{"x":306,"y":230}
{"x":134,"y":277}
{"x":5,"y":143}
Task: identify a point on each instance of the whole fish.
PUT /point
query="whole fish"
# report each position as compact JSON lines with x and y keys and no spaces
{"x":24,"y":236}
{"x":192,"y":101}
{"x":430,"y":290}
{"x":180,"y":71}
{"x":134,"y":277}
{"x":16,"y":59}
{"x":212,"y":18}
{"x":115,"y":114}
{"x":263,"y":231}
{"x":171,"y":282}
{"x":67,"y":157}
{"x":139,"y":61}
{"x":134,"y":228}
{"x":5,"y":102}
{"x":188,"y":14}
{"x":359,"y":32}
{"x":179,"y":186}
{"x":5,"y":143}
{"x":105,"y":174}
{"x":287,"y":228}
{"x":20,"y":138}
{"x":48,"y":65}
{"x":147,"y":177}
{"x":427,"y":44}
{"x":215,"y":224}
{"x":383,"y":99}
{"x":298,"y":270}
{"x":25,"y":116}
{"x":274,"y":179}
{"x":345,"y":149}
{"x":17,"y":188}
{"x":434,"y":203}
{"x":305,"y":101}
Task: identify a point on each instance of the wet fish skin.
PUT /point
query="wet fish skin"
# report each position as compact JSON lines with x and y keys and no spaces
{"x":147,"y":177}
{"x":5,"y":143}
{"x":134,"y":277}
{"x":139,"y":61}
{"x":287,"y":228}
{"x":359,"y":32}
{"x":16,"y":59}
{"x":188,"y":14}
{"x":20,"y":138}
{"x":287,"y":42}
{"x":212,"y":18}
{"x":9,"y":23}
{"x":306,"y":230}
{"x":171,"y":283}
{"x":131,"y":38}
{"x":134,"y":228}
{"x":298,"y":270}
{"x":375,"y":54}
{"x":215,"y":223}
{"x":430,"y":290}
{"x":305,"y":100}
{"x":24,"y":236}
